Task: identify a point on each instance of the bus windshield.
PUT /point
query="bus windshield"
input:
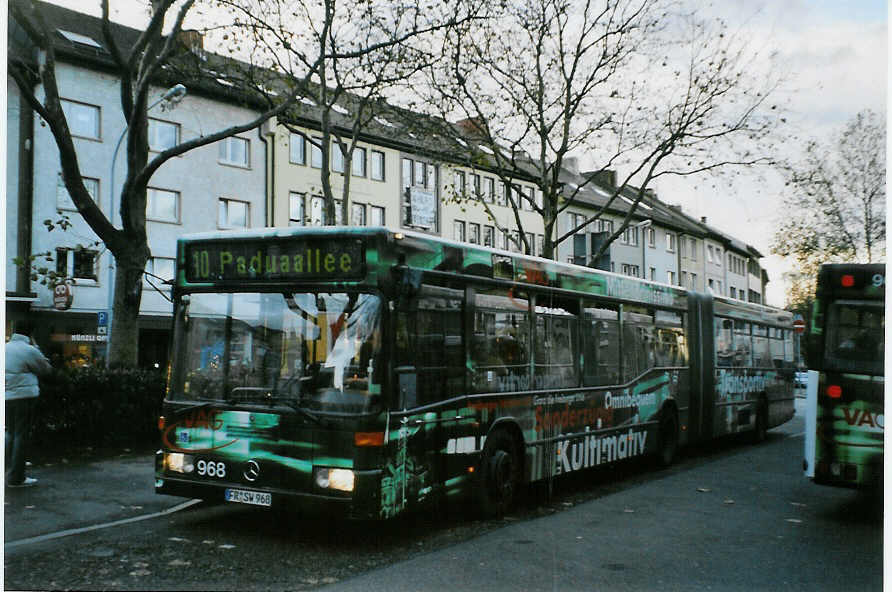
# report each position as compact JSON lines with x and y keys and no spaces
{"x":856,"y":335}
{"x":310,"y":351}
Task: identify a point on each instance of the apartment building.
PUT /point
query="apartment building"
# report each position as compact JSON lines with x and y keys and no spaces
{"x":218,"y":186}
{"x":271,"y":176}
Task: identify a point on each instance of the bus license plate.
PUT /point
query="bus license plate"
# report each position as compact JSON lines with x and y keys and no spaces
{"x":241,"y":496}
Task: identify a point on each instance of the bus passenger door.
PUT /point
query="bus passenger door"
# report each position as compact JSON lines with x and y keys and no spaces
{"x":701,"y":404}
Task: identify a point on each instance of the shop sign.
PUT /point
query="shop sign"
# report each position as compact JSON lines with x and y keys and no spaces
{"x":62,"y":297}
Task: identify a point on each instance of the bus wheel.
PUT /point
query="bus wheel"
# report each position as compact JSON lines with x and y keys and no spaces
{"x":500,"y":475}
{"x":761,"y":431}
{"x":668,"y":439}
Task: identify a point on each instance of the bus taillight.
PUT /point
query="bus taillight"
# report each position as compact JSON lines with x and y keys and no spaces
{"x":834,"y":391}
{"x":368,"y":438}
{"x":161,"y":423}
{"x":847,"y":280}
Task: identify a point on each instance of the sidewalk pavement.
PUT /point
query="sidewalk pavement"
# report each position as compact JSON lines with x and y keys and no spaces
{"x":83,"y":493}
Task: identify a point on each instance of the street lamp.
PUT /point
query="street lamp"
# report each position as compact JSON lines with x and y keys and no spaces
{"x":641,"y":226}
{"x":172,"y":95}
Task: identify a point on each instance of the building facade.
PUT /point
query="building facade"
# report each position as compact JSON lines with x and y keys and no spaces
{"x":271,"y":176}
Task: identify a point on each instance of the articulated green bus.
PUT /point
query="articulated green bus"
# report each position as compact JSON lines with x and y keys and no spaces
{"x":847,"y":348}
{"x":365,"y":372}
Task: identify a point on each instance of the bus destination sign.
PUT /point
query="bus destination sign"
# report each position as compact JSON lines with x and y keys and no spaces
{"x":284,"y":259}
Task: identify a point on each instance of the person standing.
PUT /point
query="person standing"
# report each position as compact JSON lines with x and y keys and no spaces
{"x":24,"y":363}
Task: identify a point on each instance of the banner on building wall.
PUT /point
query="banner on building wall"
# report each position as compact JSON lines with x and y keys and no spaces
{"x":424,"y":207}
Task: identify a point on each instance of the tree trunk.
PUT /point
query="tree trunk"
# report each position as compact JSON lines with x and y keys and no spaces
{"x":129,"y":269}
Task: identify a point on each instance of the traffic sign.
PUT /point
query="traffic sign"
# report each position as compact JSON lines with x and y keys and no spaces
{"x":799,"y":325}
{"x":101,"y":318}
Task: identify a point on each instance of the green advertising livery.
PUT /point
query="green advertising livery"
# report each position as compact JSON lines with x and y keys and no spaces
{"x":847,"y":348}
{"x":365,"y":372}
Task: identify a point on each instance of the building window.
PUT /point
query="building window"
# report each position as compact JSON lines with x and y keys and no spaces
{"x":235,"y":151}
{"x":692,"y":243}
{"x":233,"y":214}
{"x":653,"y":273}
{"x":83,"y":119}
{"x":63,"y":199}
{"x":339,"y":212}
{"x":670,"y":242}
{"x":418,"y":195}
{"x":296,"y":212}
{"x":630,"y":270}
{"x":163,"y":135}
{"x":377,"y":165}
{"x":317,"y":210}
{"x":489,"y":234}
{"x":357,"y":214}
{"x":474,"y":233}
{"x":458,"y":230}
{"x":297,"y":149}
{"x":528,"y":199}
{"x":504,"y":240}
{"x":358,"y":162}
{"x":693,"y":278}
{"x":316,"y":152}
{"x":160,"y":269}
{"x":475,"y":185}
{"x":531,"y":243}
{"x":377,"y":216}
{"x":504,"y":190}
{"x":540,"y":244}
{"x":337,"y":158}
{"x":162,"y":205}
{"x":733,"y":292}
{"x":79,"y":264}
{"x":670,"y":277}
{"x":489,"y":189}
{"x":651,"y":235}
{"x":458,"y":184}
{"x":576,"y":221}
{"x":630,"y":236}
{"x":605,"y":226}
{"x":718,"y":256}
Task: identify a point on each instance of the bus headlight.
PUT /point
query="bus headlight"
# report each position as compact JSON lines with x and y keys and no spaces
{"x":340,"y":479}
{"x":179,"y":462}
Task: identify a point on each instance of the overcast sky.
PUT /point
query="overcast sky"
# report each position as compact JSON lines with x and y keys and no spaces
{"x":835,"y":57}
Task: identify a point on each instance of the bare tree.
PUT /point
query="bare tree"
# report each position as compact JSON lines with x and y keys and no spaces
{"x":835,"y":206}
{"x":146,"y":62}
{"x":343,"y":56}
{"x":627,"y":85}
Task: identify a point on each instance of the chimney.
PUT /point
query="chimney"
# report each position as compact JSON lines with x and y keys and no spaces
{"x":472,"y":126}
{"x":675,"y":207}
{"x":703,"y":219}
{"x":571,"y":163}
{"x":191,"y":39}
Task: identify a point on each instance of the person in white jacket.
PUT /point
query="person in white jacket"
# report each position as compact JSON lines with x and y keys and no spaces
{"x":24,"y":363}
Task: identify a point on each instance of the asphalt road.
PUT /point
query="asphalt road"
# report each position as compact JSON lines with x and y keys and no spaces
{"x":727,"y":517}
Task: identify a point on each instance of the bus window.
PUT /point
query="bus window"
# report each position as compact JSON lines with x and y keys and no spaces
{"x":724,"y":342}
{"x":761,"y":347}
{"x":856,"y":331}
{"x":600,"y":326}
{"x":555,"y":345}
{"x":428,"y":351}
{"x":789,"y":353}
{"x":500,"y":346}
{"x":743,"y":346}
{"x":776,"y":345}
{"x":671,"y":348}
{"x":639,"y":342}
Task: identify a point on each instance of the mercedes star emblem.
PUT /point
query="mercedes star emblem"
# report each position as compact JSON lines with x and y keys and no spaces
{"x":252,"y":470}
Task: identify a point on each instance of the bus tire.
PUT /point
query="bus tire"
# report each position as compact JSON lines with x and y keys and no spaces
{"x":760,"y":432}
{"x":668,"y":438}
{"x":499,"y":475}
